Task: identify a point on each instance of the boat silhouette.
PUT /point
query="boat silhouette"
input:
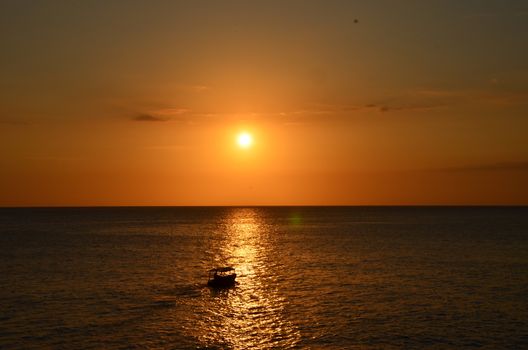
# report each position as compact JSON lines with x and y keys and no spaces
{"x":221,"y":277}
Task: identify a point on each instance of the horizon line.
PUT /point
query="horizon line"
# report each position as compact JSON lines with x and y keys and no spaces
{"x":273,"y":206}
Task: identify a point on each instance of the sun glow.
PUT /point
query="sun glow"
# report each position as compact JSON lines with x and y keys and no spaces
{"x":244,"y":140}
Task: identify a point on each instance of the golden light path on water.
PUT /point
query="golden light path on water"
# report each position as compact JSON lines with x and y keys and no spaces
{"x":251,"y":315}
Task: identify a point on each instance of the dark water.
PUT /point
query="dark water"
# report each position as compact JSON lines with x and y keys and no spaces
{"x":311,"y":278}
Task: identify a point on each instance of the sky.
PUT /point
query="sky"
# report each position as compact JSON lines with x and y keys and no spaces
{"x":348,"y":102}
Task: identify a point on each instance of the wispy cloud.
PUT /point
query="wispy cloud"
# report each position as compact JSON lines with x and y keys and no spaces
{"x":161,"y":115}
{"x":384,"y":108}
{"x":169,"y":112}
{"x":418,"y":100}
{"x":148,"y":118}
{"x":491,"y":96}
{"x":300,"y":114}
{"x":396,"y":106}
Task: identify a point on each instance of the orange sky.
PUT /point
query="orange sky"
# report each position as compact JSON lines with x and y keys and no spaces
{"x":130,"y":103}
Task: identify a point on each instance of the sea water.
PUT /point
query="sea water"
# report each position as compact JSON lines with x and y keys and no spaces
{"x":307,"y":278}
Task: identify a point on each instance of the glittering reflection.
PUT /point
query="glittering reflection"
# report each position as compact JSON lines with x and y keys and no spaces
{"x":251,"y":315}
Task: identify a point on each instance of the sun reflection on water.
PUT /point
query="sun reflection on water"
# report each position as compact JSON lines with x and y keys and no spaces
{"x":251,"y":315}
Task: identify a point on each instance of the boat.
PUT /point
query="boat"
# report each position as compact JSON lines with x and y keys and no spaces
{"x":221,"y":277}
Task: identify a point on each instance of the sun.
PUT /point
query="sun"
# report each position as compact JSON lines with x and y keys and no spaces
{"x":244,"y":140}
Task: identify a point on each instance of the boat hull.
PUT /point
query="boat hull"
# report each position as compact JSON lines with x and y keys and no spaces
{"x":222,"y":281}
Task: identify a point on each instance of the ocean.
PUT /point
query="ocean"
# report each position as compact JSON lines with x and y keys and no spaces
{"x":308,"y":278}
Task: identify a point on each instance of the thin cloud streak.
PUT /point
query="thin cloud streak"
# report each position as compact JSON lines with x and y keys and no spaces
{"x":417,"y":100}
{"x":481,"y":96}
{"x":148,"y":118}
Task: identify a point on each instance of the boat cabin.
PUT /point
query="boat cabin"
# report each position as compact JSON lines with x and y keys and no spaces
{"x":221,"y":277}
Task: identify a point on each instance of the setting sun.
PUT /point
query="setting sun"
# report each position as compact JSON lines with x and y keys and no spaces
{"x":244,"y":140}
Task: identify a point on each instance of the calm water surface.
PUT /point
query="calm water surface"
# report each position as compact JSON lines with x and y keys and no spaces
{"x":309,"y":277}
